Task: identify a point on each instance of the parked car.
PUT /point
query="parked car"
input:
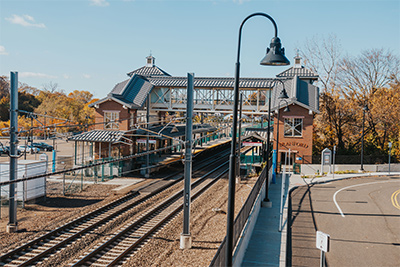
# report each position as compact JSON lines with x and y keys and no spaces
{"x":6,"y":150}
{"x":3,"y":150}
{"x":43,"y":146}
{"x":29,"y":149}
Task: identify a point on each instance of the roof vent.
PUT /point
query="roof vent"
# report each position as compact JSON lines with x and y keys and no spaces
{"x":151,"y":61}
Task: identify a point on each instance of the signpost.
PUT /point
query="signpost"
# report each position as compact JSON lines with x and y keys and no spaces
{"x":334,"y":156}
{"x":326,"y":159}
{"x":322,"y":243}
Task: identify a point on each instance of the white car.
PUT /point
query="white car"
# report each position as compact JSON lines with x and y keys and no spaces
{"x":28,"y":149}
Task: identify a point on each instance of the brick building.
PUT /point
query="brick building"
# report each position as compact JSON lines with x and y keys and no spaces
{"x":296,"y":125}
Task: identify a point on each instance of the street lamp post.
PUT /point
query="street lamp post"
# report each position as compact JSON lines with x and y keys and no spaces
{"x":239,"y":138}
{"x":276,"y":57}
{"x":266,"y":201}
{"x":283,"y":96}
{"x":362,"y":138}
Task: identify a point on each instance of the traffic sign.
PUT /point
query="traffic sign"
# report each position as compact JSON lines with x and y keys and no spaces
{"x":322,"y":241}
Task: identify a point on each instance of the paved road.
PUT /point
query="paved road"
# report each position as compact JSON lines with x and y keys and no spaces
{"x":361,"y":215}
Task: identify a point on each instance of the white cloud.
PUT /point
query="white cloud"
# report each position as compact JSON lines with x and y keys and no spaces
{"x":86,"y":76}
{"x":25,"y":20}
{"x":66,"y":76}
{"x":99,"y":3}
{"x":35,"y":75}
{"x":3,"y":51}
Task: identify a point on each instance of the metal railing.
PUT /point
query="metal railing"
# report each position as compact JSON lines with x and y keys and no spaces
{"x":351,"y":159}
{"x":240,"y":221}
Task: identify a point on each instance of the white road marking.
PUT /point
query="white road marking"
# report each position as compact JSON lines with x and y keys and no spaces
{"x":347,"y":187}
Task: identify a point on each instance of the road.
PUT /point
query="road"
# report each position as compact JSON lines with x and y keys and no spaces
{"x":361,"y":215}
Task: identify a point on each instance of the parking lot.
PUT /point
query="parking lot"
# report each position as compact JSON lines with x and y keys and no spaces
{"x":62,"y":148}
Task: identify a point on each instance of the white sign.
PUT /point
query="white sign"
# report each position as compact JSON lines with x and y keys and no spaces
{"x":322,"y":241}
{"x":252,"y":144}
{"x":143,"y":141}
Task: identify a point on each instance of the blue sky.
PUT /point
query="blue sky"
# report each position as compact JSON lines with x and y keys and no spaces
{"x":92,"y":44}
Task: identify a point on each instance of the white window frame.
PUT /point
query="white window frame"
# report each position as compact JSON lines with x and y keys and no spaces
{"x":111,"y":120}
{"x":293,"y":127}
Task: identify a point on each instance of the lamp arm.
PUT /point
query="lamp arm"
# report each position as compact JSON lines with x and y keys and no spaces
{"x":243,"y":22}
{"x":278,"y":80}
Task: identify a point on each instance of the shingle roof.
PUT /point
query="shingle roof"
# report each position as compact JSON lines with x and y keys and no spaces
{"x":301,"y":72}
{"x":216,"y":82}
{"x":105,"y":136}
{"x":299,"y":92}
{"x":149,"y":72}
{"x":131,"y":93}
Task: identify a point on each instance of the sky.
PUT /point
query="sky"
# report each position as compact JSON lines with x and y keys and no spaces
{"x":91,"y":44}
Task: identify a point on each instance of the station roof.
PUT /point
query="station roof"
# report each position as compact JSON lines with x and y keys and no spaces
{"x":102,"y":136}
{"x":213,"y":82}
{"x":148,"y":72}
{"x":159,"y":131}
{"x":298,"y":70}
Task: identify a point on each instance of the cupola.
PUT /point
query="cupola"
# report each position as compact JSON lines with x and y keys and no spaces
{"x":151,"y":61}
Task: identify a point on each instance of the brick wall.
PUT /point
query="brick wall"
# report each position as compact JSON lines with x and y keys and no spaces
{"x":124,"y":115}
{"x":299,"y":146}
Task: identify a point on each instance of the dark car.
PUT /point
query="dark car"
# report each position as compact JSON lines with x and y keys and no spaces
{"x":6,"y":150}
{"x":3,"y":150}
{"x":43,"y":146}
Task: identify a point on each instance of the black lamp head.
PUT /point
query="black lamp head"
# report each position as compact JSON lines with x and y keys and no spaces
{"x":286,"y":109}
{"x":275,"y":54}
{"x":283,"y":94}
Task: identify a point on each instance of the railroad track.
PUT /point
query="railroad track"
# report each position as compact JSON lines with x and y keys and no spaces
{"x":113,"y":251}
{"x":45,"y":246}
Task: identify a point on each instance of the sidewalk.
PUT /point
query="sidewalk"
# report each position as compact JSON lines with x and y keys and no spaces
{"x":264,"y":248}
{"x":267,"y":246}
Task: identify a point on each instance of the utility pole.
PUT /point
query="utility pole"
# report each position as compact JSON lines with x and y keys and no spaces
{"x":12,"y":225}
{"x":186,"y":238}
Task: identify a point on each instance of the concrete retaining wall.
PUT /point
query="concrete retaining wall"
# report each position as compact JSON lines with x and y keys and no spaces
{"x":312,"y":169}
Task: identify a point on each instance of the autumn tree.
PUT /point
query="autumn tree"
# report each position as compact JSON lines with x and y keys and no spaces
{"x":370,"y":80}
{"x":322,"y":55}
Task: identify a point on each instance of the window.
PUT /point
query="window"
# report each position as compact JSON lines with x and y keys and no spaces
{"x":111,"y":120}
{"x":293,"y":127}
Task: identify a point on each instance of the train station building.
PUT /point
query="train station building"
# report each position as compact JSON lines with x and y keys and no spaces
{"x":145,"y":108}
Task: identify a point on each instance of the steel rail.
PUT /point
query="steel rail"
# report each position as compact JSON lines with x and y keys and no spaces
{"x":115,"y":205}
{"x":149,"y":217}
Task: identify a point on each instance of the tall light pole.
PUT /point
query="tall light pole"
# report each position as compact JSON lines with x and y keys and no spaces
{"x":362,"y":138}
{"x":266,"y":199}
{"x":276,"y":57}
{"x":282,"y":96}
{"x":239,"y":137}
{"x":12,"y":225}
{"x":186,"y":238}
